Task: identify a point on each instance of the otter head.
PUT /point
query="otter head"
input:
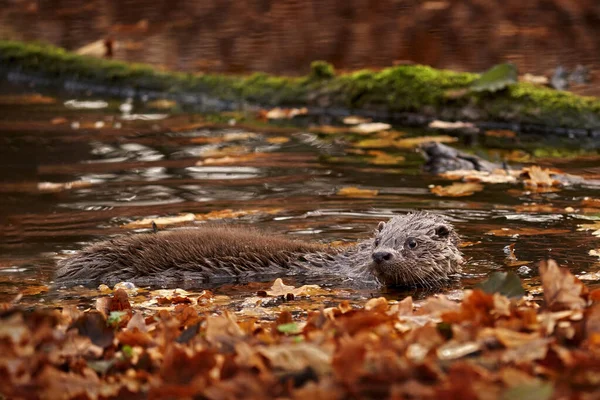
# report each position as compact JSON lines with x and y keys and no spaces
{"x":415,"y":249}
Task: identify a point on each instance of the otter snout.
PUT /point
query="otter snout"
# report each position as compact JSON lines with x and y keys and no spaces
{"x":381,"y":256}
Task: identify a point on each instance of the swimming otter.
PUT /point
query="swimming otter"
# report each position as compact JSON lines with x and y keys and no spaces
{"x":418,"y":249}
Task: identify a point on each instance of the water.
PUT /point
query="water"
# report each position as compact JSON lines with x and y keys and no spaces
{"x":156,"y":167}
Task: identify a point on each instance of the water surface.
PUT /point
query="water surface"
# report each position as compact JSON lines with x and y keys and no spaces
{"x":161,"y":163}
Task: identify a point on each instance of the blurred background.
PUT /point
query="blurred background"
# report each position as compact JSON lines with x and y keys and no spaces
{"x":284,"y":36}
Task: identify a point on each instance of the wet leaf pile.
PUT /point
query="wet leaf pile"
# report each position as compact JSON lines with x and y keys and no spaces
{"x":494,"y":343}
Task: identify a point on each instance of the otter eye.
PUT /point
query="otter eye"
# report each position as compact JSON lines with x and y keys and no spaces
{"x":377,"y":240}
{"x":442,"y":231}
{"x":411,"y":243}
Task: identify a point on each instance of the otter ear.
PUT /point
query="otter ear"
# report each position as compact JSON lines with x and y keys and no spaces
{"x":442,"y":231}
{"x":380,"y":226}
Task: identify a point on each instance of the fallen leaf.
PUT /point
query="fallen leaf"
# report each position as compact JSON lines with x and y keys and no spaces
{"x":500,"y":133}
{"x":160,"y":221}
{"x":534,"y":177}
{"x":278,"y":140}
{"x":408,"y":143}
{"x":453,"y":126}
{"x":283,"y":113}
{"x":356,"y":192}
{"x":354,"y":120}
{"x":562,"y":290}
{"x":162,"y":104}
{"x":370,"y":127}
{"x":536,"y":391}
{"x":376,"y":143}
{"x":504,"y":283}
{"x":496,"y":176}
{"x":298,"y":357}
{"x":457,"y":189}
{"x":93,"y":325}
{"x":59,"y":187}
{"x":280,"y":289}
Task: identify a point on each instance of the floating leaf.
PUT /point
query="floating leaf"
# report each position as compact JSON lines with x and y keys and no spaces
{"x":283,"y":113}
{"x":160,"y":221}
{"x":376,"y":143}
{"x":457,"y":189}
{"x":278,"y":140}
{"x":496,"y":78}
{"x":351,"y":191}
{"x":383,"y":158}
{"x":280,"y":289}
{"x":59,"y":187}
{"x":354,"y":120}
{"x":534,"y":177}
{"x":454,"y":126}
{"x":504,"y":283}
{"x":496,"y":176}
{"x":162,"y":104}
{"x":370,"y":127}
{"x":412,"y":142}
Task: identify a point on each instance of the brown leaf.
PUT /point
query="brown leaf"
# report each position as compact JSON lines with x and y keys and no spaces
{"x":280,"y":289}
{"x":535,"y":177}
{"x":356,"y":192}
{"x":500,"y":133}
{"x":457,"y":189}
{"x":93,"y":325}
{"x":160,"y":221}
{"x":417,"y":141}
{"x":562,"y":290}
{"x":298,"y":357}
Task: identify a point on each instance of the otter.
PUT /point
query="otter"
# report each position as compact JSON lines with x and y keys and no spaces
{"x":416,"y":249}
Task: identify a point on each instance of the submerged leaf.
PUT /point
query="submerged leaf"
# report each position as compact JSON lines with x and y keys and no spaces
{"x":505,"y":283}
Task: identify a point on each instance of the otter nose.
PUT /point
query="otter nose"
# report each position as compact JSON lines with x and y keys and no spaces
{"x":381,"y":256}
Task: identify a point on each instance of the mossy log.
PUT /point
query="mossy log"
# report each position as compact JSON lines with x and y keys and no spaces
{"x":408,"y":89}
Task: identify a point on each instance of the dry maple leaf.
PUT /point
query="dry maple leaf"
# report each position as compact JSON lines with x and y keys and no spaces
{"x":562,"y":290}
{"x":535,"y":177}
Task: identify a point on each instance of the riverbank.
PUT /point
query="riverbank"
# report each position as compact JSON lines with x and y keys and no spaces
{"x":417,"y":92}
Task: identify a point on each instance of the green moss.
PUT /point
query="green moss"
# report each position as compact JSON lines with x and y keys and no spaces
{"x":408,"y":88}
{"x":321,"y":70}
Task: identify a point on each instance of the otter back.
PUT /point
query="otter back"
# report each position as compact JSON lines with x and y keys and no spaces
{"x":204,"y":254}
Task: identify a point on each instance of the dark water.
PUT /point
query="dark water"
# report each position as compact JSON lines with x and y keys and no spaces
{"x":148,"y":168}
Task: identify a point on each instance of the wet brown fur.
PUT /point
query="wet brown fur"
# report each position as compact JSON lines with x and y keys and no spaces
{"x":220,"y":253}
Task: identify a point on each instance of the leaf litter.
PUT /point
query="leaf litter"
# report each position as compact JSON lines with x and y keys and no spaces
{"x":496,"y":342}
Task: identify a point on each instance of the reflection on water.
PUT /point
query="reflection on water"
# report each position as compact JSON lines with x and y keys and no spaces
{"x":97,"y":178}
{"x":284,"y":36}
